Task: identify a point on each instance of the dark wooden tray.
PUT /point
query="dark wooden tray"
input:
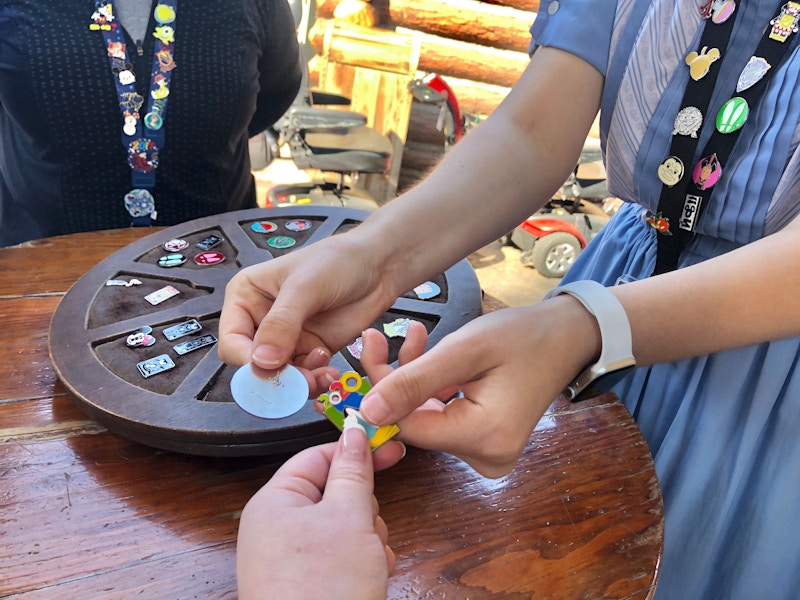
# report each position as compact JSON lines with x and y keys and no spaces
{"x":189,"y":408}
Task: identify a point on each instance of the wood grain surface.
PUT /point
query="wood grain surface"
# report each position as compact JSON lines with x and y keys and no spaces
{"x":85,"y":513}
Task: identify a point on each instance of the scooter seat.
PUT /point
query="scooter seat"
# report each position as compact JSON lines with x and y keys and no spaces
{"x":358,"y":149}
{"x":312,"y":117}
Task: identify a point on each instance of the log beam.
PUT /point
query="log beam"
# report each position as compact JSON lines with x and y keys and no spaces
{"x":529,"y":5}
{"x":483,"y":23}
{"x":477,"y":99}
{"x":452,"y":58}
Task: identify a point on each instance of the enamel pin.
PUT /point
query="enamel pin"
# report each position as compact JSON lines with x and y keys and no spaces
{"x":706,"y":172}
{"x":688,"y":122}
{"x":208,"y":242}
{"x":718,"y":11}
{"x":753,"y":72}
{"x":427,"y":290}
{"x":343,"y":401}
{"x":786,"y":23}
{"x":671,"y":171}
{"x":209,"y":258}
{"x":171,"y":260}
{"x":155,"y":365}
{"x":181,"y":329}
{"x":298,"y":225}
{"x":700,"y":63}
{"x":397,"y":328}
{"x":194,"y":344}
{"x":264,"y":227}
{"x":175,"y":245}
{"x":141,"y":338}
{"x":281,"y":242}
{"x":733,"y":114}
{"x":161,"y":295}
{"x":356,"y":348}
{"x":691,"y":208}
{"x":122,"y":282}
{"x":659,"y":222}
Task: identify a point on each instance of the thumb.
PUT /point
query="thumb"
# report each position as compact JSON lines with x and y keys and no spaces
{"x":350,"y":479}
{"x":442,"y":369}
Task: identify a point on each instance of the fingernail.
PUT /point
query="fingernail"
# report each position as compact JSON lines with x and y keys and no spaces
{"x":318,"y":357}
{"x":375,"y":409}
{"x":267,"y":356}
{"x":405,"y":450}
{"x":354,"y":437}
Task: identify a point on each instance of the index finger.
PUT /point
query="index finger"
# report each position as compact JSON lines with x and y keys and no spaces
{"x":242,"y":309}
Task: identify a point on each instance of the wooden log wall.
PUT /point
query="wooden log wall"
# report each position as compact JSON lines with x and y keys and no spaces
{"x":478,"y":46}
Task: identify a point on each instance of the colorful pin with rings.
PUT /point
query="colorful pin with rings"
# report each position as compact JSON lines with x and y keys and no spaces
{"x":343,"y":401}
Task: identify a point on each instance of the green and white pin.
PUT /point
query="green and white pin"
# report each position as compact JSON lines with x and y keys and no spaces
{"x":732,"y":115}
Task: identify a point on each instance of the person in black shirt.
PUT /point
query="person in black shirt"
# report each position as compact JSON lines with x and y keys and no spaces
{"x":230,"y":69}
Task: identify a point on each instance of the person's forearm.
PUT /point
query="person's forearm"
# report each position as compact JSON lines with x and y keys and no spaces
{"x":747,"y":296}
{"x":500,"y":174}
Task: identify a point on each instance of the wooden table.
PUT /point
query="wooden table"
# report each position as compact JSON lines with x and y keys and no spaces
{"x":85,"y":513}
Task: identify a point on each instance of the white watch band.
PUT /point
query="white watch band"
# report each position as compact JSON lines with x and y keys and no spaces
{"x":615,"y":332}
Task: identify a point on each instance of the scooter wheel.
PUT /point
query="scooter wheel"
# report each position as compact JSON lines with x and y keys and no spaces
{"x":553,"y":255}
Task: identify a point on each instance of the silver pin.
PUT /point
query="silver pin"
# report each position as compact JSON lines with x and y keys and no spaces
{"x":194,"y":344}
{"x":155,"y":365}
{"x":122,"y":282}
{"x":182,"y":329}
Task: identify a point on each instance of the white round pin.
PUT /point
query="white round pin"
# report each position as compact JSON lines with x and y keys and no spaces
{"x":270,"y":394}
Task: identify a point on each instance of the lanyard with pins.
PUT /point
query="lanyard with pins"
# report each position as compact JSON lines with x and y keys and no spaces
{"x":684,"y":194}
{"x":144,"y":137}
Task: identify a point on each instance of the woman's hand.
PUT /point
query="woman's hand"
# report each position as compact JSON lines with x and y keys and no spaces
{"x":509,"y":365}
{"x":303,"y":306}
{"x":313,"y":531}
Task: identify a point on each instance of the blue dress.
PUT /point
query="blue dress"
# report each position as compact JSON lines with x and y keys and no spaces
{"x":724,"y":429}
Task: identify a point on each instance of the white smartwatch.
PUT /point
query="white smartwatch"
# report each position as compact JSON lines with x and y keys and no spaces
{"x":616,"y":355}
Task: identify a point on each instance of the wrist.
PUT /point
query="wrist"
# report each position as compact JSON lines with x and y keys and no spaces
{"x":614,"y":357}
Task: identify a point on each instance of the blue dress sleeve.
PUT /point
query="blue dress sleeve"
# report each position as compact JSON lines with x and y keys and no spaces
{"x":580,"y":27}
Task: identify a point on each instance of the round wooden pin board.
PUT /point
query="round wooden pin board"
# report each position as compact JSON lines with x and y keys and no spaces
{"x":189,"y":407}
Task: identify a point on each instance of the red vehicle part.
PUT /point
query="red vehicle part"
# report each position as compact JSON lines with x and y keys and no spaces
{"x":436,"y":83}
{"x":539,"y":227}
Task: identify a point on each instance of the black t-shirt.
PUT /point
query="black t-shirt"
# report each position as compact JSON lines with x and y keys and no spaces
{"x":63,"y":166}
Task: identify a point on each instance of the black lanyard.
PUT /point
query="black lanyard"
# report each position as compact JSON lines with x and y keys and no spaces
{"x":688,"y":187}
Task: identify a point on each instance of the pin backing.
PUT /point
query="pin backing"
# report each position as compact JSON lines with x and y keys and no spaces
{"x":269,"y":394}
